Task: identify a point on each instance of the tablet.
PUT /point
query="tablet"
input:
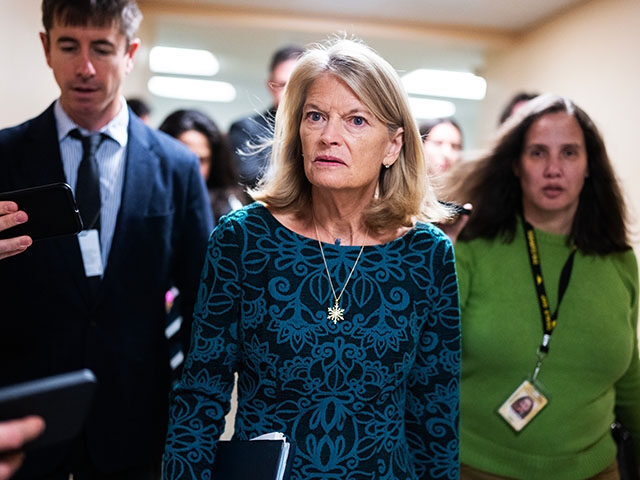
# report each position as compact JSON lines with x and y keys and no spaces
{"x":51,"y":209}
{"x":61,"y":400}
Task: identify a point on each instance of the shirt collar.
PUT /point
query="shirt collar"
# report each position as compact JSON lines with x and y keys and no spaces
{"x":115,"y":129}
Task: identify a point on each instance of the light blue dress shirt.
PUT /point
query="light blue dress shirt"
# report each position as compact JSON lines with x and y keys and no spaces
{"x":111,"y":156}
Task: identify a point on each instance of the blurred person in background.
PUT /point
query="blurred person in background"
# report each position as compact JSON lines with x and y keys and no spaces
{"x":514,"y":103}
{"x":203,"y":137}
{"x":249,"y":133}
{"x":549,"y":302}
{"x":442,"y":140}
{"x":140,"y":108}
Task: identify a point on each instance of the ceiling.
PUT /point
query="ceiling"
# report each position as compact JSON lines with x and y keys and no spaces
{"x":410,"y":34}
{"x":502,"y":15}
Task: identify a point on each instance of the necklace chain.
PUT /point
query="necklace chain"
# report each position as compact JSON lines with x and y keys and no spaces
{"x":336,"y":313}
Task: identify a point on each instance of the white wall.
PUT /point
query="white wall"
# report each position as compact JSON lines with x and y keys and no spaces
{"x":589,"y":54}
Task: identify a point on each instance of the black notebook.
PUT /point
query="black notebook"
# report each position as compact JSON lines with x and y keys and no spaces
{"x":253,"y":459}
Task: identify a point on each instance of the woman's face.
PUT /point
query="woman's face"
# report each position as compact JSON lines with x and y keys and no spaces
{"x":198,"y":144}
{"x":343,"y":144}
{"x":442,"y":147}
{"x":552,"y":169}
{"x":523,"y":406}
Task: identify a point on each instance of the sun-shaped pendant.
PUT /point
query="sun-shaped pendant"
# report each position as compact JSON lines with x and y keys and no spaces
{"x":335,"y":313}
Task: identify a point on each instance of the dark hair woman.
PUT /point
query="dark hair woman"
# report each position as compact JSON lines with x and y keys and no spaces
{"x":200,"y":133}
{"x":547,"y":245}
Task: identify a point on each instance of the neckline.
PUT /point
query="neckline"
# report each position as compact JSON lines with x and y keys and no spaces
{"x":276,"y":222}
{"x":546,"y":237}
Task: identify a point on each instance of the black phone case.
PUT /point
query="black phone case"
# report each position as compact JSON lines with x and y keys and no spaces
{"x":51,"y":209}
{"x":61,"y":400}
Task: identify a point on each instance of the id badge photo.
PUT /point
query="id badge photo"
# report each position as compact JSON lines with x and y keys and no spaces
{"x":522,"y":405}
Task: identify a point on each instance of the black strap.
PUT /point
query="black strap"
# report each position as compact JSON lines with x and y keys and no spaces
{"x":549,"y":319}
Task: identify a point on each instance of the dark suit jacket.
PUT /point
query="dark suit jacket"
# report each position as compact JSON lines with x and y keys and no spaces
{"x":247,"y":132}
{"x":49,"y":321}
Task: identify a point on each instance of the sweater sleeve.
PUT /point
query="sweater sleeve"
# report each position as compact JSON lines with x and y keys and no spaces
{"x":201,"y":399}
{"x":432,"y":413}
{"x":628,"y":387}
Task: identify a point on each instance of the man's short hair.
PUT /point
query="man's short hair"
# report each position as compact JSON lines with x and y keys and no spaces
{"x":125,"y":14}
{"x":290,"y":52}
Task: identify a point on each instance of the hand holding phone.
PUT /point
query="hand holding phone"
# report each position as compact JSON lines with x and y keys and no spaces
{"x":51,"y":212}
{"x":10,"y":216}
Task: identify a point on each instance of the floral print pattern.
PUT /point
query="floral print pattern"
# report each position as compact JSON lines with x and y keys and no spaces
{"x":374,"y":396}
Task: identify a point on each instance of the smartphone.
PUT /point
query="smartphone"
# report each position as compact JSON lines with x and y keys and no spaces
{"x":51,"y":209}
{"x":457,"y":209}
{"x":61,"y":400}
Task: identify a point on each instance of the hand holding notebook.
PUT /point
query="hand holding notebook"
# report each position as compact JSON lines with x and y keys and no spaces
{"x":267,"y":457}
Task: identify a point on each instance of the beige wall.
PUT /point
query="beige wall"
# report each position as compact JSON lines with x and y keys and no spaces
{"x":589,"y":54}
{"x":26,"y":84}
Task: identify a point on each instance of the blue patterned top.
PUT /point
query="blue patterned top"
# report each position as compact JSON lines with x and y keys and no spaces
{"x":374,"y":396}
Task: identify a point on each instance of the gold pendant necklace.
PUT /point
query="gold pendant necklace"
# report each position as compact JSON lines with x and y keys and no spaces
{"x":335,"y":313}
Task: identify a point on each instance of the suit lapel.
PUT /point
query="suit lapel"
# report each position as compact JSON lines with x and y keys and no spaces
{"x":140,"y":165}
{"x":44,"y":166}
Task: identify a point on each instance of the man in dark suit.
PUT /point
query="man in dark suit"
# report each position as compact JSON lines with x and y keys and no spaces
{"x":97,"y":300}
{"x":248,"y":132}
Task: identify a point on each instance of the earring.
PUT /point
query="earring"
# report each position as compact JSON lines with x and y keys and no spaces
{"x":387,"y":165}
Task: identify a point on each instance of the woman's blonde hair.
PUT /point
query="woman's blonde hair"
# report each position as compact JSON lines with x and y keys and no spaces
{"x":404,"y":193}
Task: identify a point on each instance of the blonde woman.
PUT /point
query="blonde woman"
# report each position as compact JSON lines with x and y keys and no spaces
{"x":331,"y":297}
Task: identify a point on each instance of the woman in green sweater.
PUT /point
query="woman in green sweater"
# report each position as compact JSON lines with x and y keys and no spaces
{"x":549,"y":303}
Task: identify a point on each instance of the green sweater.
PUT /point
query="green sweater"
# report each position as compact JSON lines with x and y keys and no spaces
{"x":592,"y":368}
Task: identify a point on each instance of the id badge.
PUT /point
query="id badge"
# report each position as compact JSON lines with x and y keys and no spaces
{"x":91,"y":256}
{"x":522,"y":405}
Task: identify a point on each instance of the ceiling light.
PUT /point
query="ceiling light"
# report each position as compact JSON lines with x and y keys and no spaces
{"x":183,"y":61}
{"x":443,"y":83}
{"x":192,"y":89}
{"x":424,"y":108}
